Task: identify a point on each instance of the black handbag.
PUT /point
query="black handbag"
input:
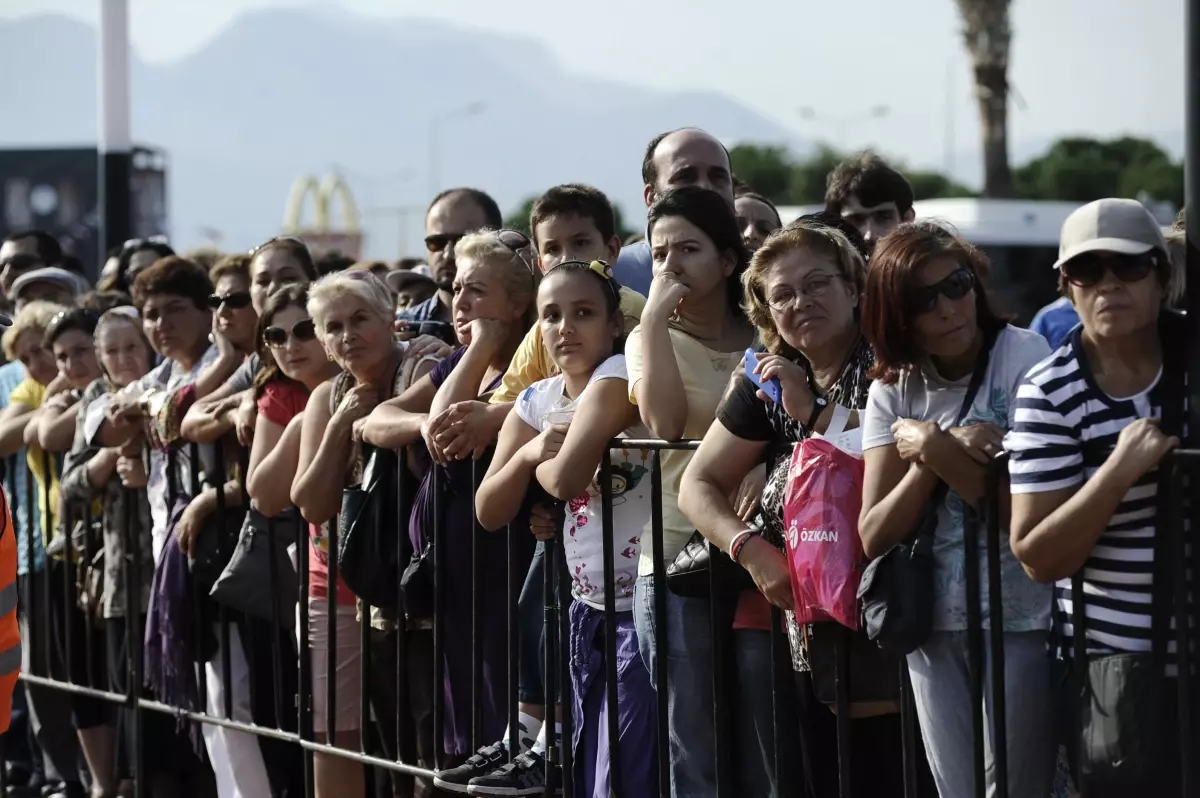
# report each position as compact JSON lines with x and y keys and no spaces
{"x":215,"y":545}
{"x":896,"y":590}
{"x":688,"y":575}
{"x":874,"y":673}
{"x":245,"y":584}
{"x":371,"y":545}
{"x":1118,"y":739}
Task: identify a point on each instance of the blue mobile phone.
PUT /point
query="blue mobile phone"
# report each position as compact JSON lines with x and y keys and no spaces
{"x":770,"y":387}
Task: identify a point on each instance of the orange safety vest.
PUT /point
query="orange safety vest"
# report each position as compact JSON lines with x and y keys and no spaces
{"x":10,"y":633}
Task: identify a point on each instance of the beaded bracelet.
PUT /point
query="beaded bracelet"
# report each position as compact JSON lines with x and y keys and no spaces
{"x":738,"y":542}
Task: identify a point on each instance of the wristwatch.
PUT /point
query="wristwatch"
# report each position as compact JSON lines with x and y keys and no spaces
{"x":819,"y":405}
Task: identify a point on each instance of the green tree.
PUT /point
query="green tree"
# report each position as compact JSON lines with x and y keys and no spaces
{"x":935,"y":185}
{"x":518,"y":219}
{"x":1085,"y":169}
{"x":808,"y":179}
{"x":767,"y":169}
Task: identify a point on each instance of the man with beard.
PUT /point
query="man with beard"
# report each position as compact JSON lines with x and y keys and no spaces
{"x":685,"y":157}
{"x":871,"y":195}
{"x":452,"y":214}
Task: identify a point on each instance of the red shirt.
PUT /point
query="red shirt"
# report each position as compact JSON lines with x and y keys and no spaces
{"x":281,"y":401}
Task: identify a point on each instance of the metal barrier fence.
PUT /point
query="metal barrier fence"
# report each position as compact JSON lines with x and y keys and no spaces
{"x":390,"y":738}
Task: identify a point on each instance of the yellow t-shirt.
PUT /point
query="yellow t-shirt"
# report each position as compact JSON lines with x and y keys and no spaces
{"x":705,"y":374}
{"x":31,"y":394}
{"x":532,"y":362}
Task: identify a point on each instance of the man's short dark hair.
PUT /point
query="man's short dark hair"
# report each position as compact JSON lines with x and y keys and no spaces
{"x":491,"y":211}
{"x":173,"y":275}
{"x":869,"y":178}
{"x":333,"y":261}
{"x":407,"y":264}
{"x":48,"y":249}
{"x":650,"y":171}
{"x":574,"y":199}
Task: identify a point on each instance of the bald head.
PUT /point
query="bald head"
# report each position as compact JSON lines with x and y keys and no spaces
{"x":686,"y":157}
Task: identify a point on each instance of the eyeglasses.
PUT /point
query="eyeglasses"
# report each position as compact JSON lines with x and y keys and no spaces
{"x":785,"y":296}
{"x":302,"y":331}
{"x":954,"y":287}
{"x":438,"y":242}
{"x":277,"y":240}
{"x":1088,"y":270}
{"x":234,"y":300}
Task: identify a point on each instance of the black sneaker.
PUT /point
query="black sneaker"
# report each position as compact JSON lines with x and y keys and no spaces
{"x":525,"y":775}
{"x":481,"y":763}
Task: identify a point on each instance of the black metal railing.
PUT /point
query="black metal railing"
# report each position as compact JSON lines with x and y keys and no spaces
{"x":389,"y":737}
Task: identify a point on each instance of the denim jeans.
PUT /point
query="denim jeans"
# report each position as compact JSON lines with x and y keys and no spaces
{"x":754,"y":713}
{"x":531,"y":631}
{"x":693,"y":751}
{"x":942,"y":690}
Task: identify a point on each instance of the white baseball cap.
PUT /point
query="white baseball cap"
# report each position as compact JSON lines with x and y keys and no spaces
{"x":1123,"y":226}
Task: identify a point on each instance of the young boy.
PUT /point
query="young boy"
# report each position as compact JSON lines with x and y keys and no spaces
{"x":569,"y":222}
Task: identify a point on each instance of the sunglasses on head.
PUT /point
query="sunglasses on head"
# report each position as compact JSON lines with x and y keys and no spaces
{"x":302,"y":331}
{"x":276,"y":240}
{"x":234,"y":300}
{"x":954,"y":286}
{"x":138,"y":243}
{"x":1088,"y":270}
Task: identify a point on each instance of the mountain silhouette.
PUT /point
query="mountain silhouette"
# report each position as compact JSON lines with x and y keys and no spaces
{"x":286,"y":92}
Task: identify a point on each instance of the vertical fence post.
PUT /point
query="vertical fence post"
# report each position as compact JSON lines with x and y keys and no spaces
{"x":565,"y":695}
{"x":514,"y":652}
{"x":552,"y":653}
{"x":477,"y":530}
{"x":131,"y":533}
{"x":439,"y":616}
{"x":974,"y":645}
{"x":610,"y":628}
{"x":304,"y":645}
{"x":999,"y":731}
{"x":660,"y":624}
{"x":1183,"y":630}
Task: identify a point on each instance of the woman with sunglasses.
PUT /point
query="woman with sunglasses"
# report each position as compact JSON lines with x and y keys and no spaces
{"x":1092,"y":424}
{"x":269,"y":267}
{"x":296,"y":364}
{"x":937,"y":339}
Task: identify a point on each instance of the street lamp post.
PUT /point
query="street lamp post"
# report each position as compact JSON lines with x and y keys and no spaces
{"x":435,"y":123}
{"x":842,"y":122}
{"x":114,"y":143}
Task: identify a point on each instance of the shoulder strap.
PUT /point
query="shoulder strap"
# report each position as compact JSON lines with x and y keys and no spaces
{"x":981,"y":367}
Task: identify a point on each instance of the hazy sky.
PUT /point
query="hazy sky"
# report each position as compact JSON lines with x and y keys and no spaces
{"x":1098,"y":67}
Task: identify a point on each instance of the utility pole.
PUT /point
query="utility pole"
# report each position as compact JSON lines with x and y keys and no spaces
{"x":114,"y":146}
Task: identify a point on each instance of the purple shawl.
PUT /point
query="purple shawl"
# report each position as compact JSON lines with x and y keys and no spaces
{"x":168,"y":658}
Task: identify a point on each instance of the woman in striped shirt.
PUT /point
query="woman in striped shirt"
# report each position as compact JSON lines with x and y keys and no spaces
{"x":1075,"y":506}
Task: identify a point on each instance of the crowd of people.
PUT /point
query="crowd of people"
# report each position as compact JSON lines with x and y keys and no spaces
{"x":488,"y":388}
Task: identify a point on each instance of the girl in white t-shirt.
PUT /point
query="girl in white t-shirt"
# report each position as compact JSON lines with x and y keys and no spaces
{"x":558,"y":434}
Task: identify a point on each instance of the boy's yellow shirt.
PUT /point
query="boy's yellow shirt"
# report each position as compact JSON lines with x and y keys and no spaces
{"x":532,"y":361}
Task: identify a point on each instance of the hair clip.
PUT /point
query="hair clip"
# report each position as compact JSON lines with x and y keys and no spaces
{"x":601,"y":268}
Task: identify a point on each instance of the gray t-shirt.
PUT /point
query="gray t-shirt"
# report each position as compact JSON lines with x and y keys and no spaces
{"x":925,"y":396}
{"x":243,"y":378}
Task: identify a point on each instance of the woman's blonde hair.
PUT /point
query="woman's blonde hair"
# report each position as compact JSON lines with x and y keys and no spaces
{"x":827,"y":243}
{"x":34,"y":317}
{"x":521,"y":279}
{"x":358,"y":283}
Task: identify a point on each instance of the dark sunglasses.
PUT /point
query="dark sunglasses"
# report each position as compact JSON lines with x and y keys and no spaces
{"x":438,"y":242}
{"x":234,"y":300}
{"x":955,"y":286}
{"x":1085,"y":271}
{"x":303,"y":331}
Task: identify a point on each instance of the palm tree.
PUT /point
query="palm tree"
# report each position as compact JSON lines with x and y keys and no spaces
{"x":987,"y":36}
